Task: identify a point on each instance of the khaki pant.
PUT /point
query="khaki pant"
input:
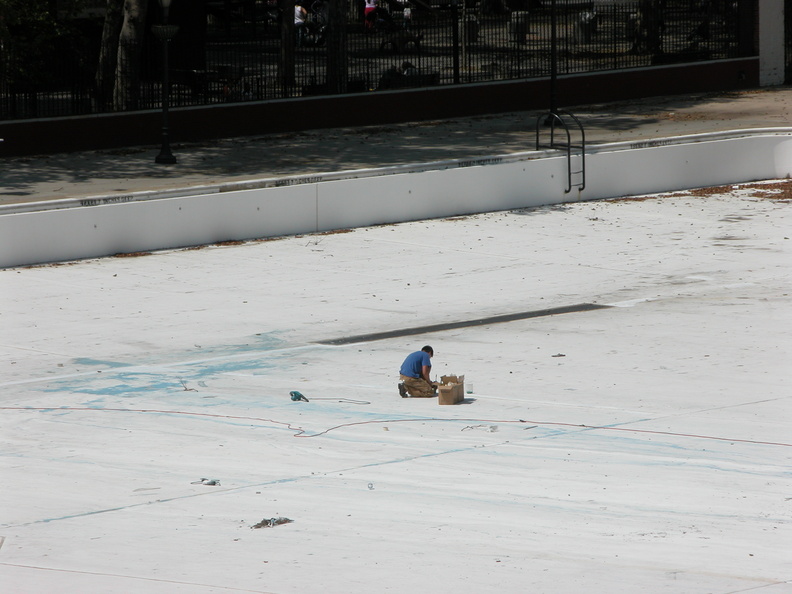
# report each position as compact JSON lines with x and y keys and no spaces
{"x":418,"y":388}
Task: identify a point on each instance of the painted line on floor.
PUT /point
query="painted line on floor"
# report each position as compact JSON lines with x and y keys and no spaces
{"x":464,"y":324}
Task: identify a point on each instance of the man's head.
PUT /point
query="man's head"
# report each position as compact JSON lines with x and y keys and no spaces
{"x":428,"y":349}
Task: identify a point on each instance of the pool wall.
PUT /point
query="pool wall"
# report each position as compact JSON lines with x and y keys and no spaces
{"x":97,"y":226}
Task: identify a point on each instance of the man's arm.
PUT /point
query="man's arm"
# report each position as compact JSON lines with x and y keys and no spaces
{"x":425,"y":373}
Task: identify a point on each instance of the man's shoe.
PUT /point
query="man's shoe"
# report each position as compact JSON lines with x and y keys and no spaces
{"x":402,"y":391}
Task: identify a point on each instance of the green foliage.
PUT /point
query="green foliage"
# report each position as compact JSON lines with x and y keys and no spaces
{"x":33,"y":14}
{"x":34,"y":34}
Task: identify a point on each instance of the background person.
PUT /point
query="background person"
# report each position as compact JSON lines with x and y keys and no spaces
{"x":300,"y":15}
{"x":368,"y":17}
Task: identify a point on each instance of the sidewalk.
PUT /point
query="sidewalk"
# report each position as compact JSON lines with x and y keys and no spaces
{"x":28,"y":179}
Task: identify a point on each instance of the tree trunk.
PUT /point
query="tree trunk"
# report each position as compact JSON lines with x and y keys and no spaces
{"x":651,"y":20}
{"x":108,"y":54}
{"x":126,"y":93}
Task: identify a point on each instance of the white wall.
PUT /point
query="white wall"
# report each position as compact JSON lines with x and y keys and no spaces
{"x":68,"y":230}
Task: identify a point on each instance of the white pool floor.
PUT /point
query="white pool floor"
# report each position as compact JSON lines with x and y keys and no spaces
{"x":639,"y":447}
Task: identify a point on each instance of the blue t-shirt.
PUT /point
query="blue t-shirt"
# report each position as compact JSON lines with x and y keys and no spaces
{"x":414,"y":363}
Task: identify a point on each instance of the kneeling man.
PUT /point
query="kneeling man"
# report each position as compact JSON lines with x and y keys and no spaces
{"x":414,"y":374}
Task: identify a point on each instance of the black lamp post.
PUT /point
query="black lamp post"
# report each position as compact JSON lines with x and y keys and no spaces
{"x":165,"y":33}
{"x":552,"y":116}
{"x":553,"y":60}
{"x":455,"y":38}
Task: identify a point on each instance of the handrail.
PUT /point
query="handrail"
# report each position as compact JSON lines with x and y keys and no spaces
{"x":553,"y":117}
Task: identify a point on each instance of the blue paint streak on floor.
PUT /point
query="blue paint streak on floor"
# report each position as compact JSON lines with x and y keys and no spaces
{"x":124,"y":384}
{"x":85,"y":361}
{"x":204,"y":370}
{"x":208,"y":363}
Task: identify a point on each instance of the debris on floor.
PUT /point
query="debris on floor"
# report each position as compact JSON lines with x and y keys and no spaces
{"x":206,"y":481}
{"x":270,"y":522}
{"x":489,"y":428}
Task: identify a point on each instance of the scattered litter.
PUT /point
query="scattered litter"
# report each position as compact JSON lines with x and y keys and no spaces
{"x":297,"y":397}
{"x":208,"y":482}
{"x":184,"y":385}
{"x":490,"y":428}
{"x":531,"y":427}
{"x":270,"y":522}
{"x":371,"y":486}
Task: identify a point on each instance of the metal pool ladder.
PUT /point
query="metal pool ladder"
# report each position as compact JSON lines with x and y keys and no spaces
{"x":559,"y":118}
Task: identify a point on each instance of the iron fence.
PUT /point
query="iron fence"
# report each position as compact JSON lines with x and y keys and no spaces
{"x":244,"y":60}
{"x":788,"y":41}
